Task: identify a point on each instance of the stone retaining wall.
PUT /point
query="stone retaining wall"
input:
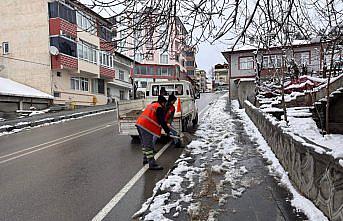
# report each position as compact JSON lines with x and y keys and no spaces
{"x":319,"y":177}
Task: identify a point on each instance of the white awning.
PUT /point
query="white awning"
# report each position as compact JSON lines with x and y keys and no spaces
{"x":13,"y":88}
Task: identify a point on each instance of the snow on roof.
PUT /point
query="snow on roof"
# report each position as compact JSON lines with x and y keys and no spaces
{"x":12,"y":88}
{"x":314,"y":79}
{"x":245,"y":48}
{"x":301,"y":42}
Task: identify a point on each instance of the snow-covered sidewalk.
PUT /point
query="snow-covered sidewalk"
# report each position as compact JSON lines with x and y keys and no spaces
{"x":227,"y":173}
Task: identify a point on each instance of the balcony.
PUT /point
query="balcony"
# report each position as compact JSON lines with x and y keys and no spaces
{"x":62,"y":19}
{"x":106,"y":72}
{"x":57,"y":26}
{"x":156,"y":71}
{"x":108,"y":46}
{"x":121,"y":83}
{"x":63,"y":61}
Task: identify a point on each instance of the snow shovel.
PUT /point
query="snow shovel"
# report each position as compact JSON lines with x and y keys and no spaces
{"x":185,"y":138}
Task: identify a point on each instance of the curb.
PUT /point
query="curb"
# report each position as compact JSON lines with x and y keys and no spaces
{"x":25,"y":124}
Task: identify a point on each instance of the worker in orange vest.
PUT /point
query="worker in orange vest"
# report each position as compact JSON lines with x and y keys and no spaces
{"x":150,"y":124}
{"x":169,"y":117}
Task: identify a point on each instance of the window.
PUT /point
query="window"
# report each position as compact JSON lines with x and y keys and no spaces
{"x":87,"y":52}
{"x":164,"y":58}
{"x":85,"y":22}
{"x":246,"y":63}
{"x":57,"y":94}
{"x":149,"y":44}
{"x":5,"y":48}
{"x":64,"y":45}
{"x":60,"y":10}
{"x":106,"y":33}
{"x":84,"y":84}
{"x":149,"y":56}
{"x":189,"y":53}
{"x":167,"y":90}
{"x":144,"y":84}
{"x":190,"y":63}
{"x":98,"y":86}
{"x":302,"y":57}
{"x":58,"y":74}
{"x":121,"y":75}
{"x":106,"y":59}
{"x":155,"y":90}
{"x":178,"y":89}
{"x":79,"y":83}
{"x":190,"y":72}
{"x":272,"y":61}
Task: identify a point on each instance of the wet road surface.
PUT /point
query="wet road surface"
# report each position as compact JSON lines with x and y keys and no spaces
{"x":71,"y":170}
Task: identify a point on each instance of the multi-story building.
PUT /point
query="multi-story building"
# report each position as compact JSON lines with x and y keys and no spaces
{"x":158,"y":58}
{"x":62,"y":48}
{"x":242,"y":61}
{"x":121,"y":86}
{"x":201,"y":79}
{"x":190,"y":61}
{"x":221,"y":75}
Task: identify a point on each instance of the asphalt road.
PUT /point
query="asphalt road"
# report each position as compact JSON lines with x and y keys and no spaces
{"x":72,"y":170}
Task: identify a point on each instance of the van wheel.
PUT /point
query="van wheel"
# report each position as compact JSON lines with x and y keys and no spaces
{"x":195,"y":121}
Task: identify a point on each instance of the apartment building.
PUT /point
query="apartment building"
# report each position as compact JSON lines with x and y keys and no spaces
{"x":61,"y":48}
{"x":201,"y":80}
{"x":157,"y":59}
{"x":221,"y":75}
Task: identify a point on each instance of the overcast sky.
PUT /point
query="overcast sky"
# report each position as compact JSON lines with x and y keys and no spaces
{"x":209,"y":55}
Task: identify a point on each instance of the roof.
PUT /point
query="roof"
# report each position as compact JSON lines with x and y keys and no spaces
{"x":12,"y":88}
{"x":249,"y":48}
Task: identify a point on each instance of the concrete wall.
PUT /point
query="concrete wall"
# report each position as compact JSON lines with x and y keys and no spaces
{"x":24,"y":24}
{"x":246,"y":91}
{"x":319,"y":177}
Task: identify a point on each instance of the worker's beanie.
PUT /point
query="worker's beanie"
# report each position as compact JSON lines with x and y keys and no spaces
{"x":161,"y":99}
{"x":171,"y":98}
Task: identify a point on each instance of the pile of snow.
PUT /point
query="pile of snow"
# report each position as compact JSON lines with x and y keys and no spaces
{"x":12,"y":88}
{"x":306,"y":127}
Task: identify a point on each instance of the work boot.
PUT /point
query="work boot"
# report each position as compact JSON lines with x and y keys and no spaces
{"x":145,"y":160}
{"x":154,"y":166}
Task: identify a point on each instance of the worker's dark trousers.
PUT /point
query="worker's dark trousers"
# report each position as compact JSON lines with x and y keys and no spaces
{"x":147,"y":144}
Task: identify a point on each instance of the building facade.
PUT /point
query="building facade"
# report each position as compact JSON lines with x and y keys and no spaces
{"x":157,"y":58}
{"x":62,"y":48}
{"x":201,"y":79}
{"x":242,"y":61}
{"x":221,"y":75}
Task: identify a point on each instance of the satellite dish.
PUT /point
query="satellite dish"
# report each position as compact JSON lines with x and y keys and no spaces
{"x":53,"y":50}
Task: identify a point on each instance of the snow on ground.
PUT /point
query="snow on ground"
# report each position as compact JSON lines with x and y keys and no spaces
{"x":46,"y":124}
{"x":306,"y":127}
{"x":298,"y":201}
{"x":12,"y":88}
{"x":214,"y":151}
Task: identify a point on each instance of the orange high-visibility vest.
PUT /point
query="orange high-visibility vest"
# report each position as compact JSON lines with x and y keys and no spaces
{"x":148,"y":120}
{"x":169,"y":112}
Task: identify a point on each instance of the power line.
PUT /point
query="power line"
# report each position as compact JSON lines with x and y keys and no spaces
{"x":23,"y":60}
